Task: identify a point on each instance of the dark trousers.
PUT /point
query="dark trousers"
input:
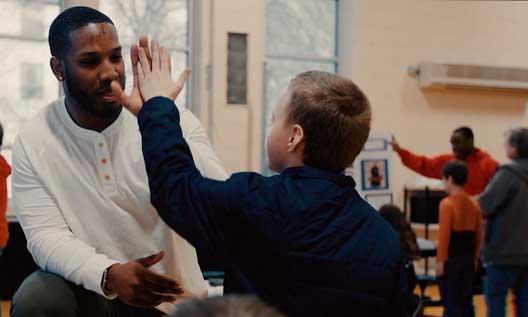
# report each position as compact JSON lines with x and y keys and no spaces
{"x":45,"y":294}
{"x":499,"y":280}
{"x":456,"y":287}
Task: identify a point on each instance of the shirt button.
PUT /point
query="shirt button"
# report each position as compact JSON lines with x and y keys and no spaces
{"x":103,"y":161}
{"x":107,"y":177}
{"x":101,"y":144}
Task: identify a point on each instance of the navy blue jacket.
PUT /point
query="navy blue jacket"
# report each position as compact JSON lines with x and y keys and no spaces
{"x":304,"y":240}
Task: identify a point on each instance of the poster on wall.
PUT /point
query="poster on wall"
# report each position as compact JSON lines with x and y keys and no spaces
{"x":372,"y":170}
{"x":374,"y":174}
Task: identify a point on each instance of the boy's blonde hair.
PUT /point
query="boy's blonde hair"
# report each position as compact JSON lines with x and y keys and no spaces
{"x":335,"y":115}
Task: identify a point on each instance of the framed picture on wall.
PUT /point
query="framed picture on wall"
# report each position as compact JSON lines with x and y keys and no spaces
{"x":374,"y":174}
{"x":378,"y":200}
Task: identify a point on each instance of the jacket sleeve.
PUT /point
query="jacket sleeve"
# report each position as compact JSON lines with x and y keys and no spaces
{"x":204,"y":156}
{"x":428,"y":167}
{"x":5,"y":169}
{"x":196,"y":207}
{"x":49,"y":238}
{"x":496,"y":194}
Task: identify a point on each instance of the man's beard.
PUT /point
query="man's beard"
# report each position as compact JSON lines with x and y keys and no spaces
{"x":93,"y":104}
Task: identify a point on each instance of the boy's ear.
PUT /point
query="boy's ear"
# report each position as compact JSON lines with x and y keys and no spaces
{"x":57,"y":68}
{"x":296,"y":138}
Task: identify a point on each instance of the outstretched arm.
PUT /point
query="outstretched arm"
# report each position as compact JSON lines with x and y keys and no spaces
{"x":196,"y":207}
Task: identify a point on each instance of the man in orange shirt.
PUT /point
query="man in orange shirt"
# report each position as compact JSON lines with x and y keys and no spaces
{"x":459,"y":242}
{"x":481,"y":166}
{"x":5,"y":171}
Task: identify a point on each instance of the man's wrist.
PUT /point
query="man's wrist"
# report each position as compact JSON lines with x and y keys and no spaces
{"x":104,"y":282}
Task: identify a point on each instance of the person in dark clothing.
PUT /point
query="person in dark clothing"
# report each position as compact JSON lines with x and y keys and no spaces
{"x":303,"y":240}
{"x":394,"y":216}
{"x":504,"y":206}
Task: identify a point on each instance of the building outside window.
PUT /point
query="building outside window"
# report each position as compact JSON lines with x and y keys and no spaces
{"x":27,"y":82}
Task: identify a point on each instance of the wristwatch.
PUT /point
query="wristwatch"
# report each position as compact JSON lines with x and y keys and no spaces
{"x":103,"y":282}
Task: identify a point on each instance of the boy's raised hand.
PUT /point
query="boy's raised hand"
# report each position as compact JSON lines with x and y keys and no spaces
{"x":134,"y":100}
{"x":155,"y":79}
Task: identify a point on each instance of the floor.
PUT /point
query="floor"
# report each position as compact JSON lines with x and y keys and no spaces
{"x":480,"y":306}
{"x":478,"y":301}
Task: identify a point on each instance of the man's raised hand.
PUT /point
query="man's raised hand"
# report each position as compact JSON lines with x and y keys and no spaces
{"x":134,"y":101}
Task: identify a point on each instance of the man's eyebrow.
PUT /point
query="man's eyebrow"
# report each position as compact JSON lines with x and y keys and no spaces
{"x":94,"y":53}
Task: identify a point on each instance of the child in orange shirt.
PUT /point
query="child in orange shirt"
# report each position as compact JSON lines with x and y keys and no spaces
{"x":459,"y":242}
{"x":5,"y":171}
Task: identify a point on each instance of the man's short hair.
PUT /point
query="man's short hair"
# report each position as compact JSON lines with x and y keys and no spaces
{"x":226,"y":306}
{"x":457,"y":170}
{"x":68,"y":21}
{"x":465,"y":131}
{"x":335,"y":115}
{"x":518,"y":139}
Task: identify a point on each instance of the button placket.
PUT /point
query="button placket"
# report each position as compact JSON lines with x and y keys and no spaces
{"x":104,"y":167}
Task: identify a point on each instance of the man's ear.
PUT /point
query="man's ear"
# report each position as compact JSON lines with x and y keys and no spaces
{"x":296,"y":138}
{"x":57,"y":68}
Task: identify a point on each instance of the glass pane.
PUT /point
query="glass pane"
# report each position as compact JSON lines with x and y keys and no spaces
{"x":237,"y":68}
{"x":301,"y":27}
{"x":278,"y":74}
{"x":163,"y":20}
{"x":23,"y":41}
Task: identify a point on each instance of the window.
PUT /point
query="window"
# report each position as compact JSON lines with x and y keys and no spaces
{"x":31,"y":76}
{"x":237,"y":68}
{"x":32,"y":23}
{"x":163,"y":20}
{"x":301,"y":35}
{"x":27,"y":83}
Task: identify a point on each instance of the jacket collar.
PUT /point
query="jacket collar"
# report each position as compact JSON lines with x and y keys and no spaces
{"x":311,"y":172}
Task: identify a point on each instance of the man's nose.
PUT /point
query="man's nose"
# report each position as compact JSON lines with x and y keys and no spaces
{"x":108,"y":71}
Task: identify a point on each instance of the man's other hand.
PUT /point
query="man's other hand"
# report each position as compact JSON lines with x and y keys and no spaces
{"x":136,"y":285}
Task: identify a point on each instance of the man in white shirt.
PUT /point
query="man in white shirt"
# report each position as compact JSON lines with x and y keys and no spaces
{"x":81,"y":192}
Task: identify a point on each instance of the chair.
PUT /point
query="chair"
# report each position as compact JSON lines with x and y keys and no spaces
{"x":424,"y":209}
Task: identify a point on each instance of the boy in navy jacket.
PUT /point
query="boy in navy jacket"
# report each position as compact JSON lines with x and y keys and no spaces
{"x":303,"y":240}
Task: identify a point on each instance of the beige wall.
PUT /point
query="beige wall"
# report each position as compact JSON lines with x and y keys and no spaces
{"x":235,"y":130}
{"x":388,"y":36}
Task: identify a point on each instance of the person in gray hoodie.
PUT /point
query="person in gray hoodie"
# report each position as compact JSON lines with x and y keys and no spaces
{"x":504,"y":206}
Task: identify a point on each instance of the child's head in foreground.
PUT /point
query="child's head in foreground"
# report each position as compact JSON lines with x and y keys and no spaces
{"x":322,"y":120}
{"x":226,"y":306}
